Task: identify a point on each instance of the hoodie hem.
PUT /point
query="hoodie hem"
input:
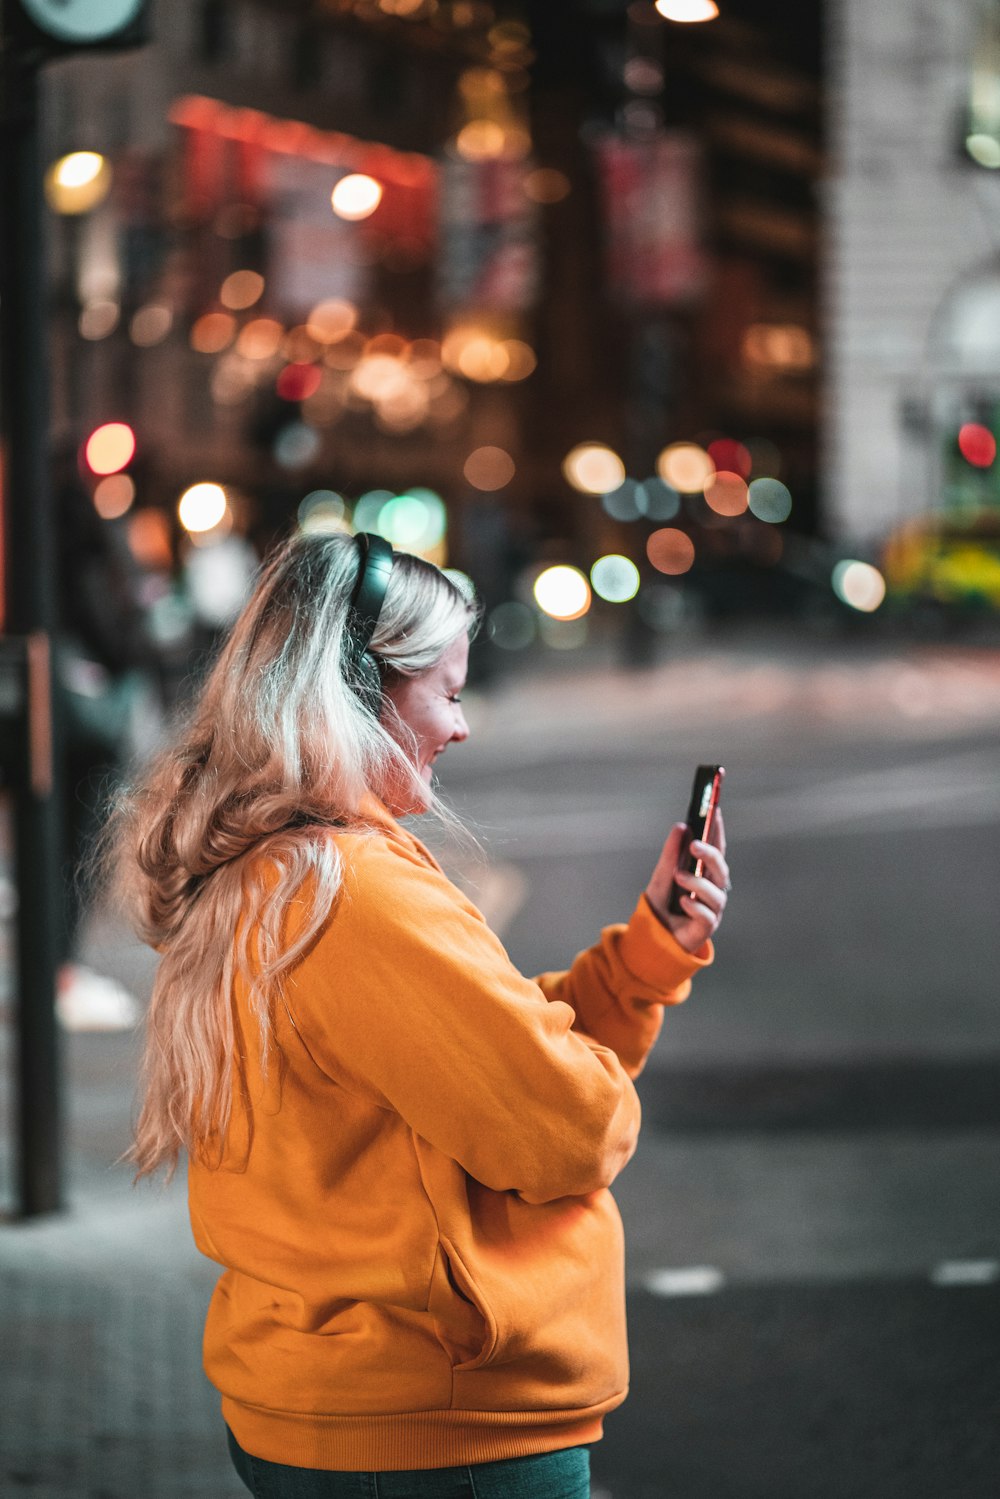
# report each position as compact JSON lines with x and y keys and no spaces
{"x":409,"y":1439}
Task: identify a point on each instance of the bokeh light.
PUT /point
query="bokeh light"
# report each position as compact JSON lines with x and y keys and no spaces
{"x":296,"y":445}
{"x":424,"y":358}
{"x":477,"y":354}
{"x":231,"y":380}
{"x":110,"y":448}
{"x":322,"y":513}
{"x":78,"y":182}
{"x":241,"y":289}
{"x":687,"y":11}
{"x":859,"y":585}
{"x":415,"y":521}
{"x":547,"y":185}
{"x":770,"y":500}
{"x":512,"y":626}
{"x":149,"y":538}
{"x":779,"y":346}
{"x":984,"y":149}
{"x":356,"y":196}
{"x":562,"y":592}
{"x":297,"y":382}
{"x":521,"y":359}
{"x":299,"y":347}
{"x":730,"y":456}
{"x":113,"y":496}
{"x":98,"y":319}
{"x":726,"y":494}
{"x":623,"y":503}
{"x":593,"y":468}
{"x":615,"y":578}
{"x":685,"y":467}
{"x":150,"y":324}
{"x":656,"y":500}
{"x":368,"y":510}
{"x":331,"y":319}
{"x":345,"y":352}
{"x":670,"y":551}
{"x":977,"y":444}
{"x":482,"y":359}
{"x":202,"y":506}
{"x":260,"y":338}
{"x":489,"y":468}
{"x":378,"y":377}
{"x":212,"y":332}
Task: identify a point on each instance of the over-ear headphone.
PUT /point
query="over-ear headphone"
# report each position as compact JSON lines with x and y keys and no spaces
{"x":363,"y":612}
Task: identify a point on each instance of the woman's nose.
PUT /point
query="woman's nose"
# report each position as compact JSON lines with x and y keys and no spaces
{"x":461,"y":727}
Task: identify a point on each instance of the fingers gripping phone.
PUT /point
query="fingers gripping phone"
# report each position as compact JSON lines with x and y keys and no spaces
{"x":705,"y":792}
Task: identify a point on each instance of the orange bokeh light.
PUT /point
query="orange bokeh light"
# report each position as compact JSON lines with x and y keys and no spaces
{"x":110,"y":448}
{"x":670,"y":550}
{"x":213,"y":332}
{"x":727,"y":494}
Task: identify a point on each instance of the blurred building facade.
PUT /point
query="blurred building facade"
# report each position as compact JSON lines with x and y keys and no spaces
{"x":912,"y":265}
{"x":592,"y":227}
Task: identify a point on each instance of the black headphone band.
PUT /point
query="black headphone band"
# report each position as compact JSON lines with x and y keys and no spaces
{"x":370,"y":589}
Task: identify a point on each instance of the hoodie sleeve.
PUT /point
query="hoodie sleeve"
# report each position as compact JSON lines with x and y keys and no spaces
{"x":409,"y":997}
{"x":618,"y":987}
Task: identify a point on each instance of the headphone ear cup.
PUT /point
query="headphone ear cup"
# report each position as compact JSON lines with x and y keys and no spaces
{"x":367,"y":682}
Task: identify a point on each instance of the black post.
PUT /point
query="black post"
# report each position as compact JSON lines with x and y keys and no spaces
{"x":29,"y":568}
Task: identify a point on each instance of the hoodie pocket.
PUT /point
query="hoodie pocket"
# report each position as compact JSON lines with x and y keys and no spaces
{"x":463,"y":1321}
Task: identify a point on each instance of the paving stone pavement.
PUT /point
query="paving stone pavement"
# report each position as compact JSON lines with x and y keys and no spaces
{"x":103,"y":1396}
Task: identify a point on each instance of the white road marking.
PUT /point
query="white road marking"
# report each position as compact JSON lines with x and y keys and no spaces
{"x":688,"y":1280}
{"x":966,"y":1273}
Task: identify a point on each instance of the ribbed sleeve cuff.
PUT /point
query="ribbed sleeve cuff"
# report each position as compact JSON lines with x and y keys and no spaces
{"x":653,"y":955}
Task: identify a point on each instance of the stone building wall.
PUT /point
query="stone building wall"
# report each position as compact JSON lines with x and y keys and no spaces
{"x":910,"y":220}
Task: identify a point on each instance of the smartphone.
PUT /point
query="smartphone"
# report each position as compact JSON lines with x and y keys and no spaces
{"x":705,"y":792}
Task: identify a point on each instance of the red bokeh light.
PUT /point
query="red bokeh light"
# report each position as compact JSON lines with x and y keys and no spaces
{"x":731,"y":457}
{"x":977,"y":444}
{"x":297,"y":382}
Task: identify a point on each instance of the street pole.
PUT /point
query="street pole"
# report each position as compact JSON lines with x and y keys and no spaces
{"x":29,"y":585}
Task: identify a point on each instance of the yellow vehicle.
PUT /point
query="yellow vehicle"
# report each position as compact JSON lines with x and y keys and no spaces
{"x":951,"y":559}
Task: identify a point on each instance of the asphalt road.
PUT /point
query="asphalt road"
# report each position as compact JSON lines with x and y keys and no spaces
{"x":812,"y":1216}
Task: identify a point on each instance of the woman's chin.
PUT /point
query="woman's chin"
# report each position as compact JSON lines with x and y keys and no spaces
{"x":414,"y":797}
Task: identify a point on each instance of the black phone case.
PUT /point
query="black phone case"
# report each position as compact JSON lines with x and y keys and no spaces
{"x":699,"y":820}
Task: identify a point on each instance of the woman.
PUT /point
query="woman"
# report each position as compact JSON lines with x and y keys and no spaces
{"x":399,"y":1148}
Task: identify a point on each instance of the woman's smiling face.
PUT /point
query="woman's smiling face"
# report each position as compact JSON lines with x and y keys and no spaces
{"x":429,"y":705}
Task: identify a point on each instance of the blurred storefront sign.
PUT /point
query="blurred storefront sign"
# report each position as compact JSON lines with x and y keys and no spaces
{"x":651,"y":190}
{"x":285,"y":172}
{"x":489,"y":237}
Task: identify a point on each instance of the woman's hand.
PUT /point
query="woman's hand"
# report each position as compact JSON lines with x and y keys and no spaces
{"x":705,"y":898}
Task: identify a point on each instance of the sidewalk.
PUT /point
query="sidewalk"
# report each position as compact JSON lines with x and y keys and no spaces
{"x":101,"y":1307}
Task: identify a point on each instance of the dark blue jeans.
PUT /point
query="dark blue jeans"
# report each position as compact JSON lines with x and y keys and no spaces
{"x":552,"y":1475}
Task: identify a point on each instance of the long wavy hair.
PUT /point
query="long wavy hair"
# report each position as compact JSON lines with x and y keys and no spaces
{"x":230,"y":824}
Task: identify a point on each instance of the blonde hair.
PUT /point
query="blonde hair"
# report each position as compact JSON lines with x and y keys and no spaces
{"x":229,"y":826}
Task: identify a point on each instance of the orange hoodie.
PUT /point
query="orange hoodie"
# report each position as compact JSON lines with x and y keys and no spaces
{"x":424,"y":1265}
